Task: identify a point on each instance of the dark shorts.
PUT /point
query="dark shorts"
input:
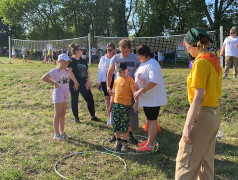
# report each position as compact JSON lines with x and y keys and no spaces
{"x":104,"y":86}
{"x":152,"y":113}
{"x":121,"y":117}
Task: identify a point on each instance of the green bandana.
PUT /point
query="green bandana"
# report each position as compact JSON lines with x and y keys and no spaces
{"x":194,"y":34}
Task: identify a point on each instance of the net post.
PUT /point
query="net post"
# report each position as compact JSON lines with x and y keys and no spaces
{"x":9,"y":46}
{"x":89,"y":49}
{"x":221,"y":44}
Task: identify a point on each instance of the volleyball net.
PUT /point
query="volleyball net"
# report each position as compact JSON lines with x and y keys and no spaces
{"x":172,"y":45}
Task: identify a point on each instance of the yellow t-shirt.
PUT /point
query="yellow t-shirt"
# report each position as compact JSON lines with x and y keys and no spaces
{"x":204,"y":75}
{"x":124,"y":87}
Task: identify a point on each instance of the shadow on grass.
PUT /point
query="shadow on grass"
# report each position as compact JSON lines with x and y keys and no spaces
{"x":224,"y":167}
{"x":164,"y":159}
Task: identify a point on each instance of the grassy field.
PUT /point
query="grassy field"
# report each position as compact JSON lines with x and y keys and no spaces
{"x":27,"y":150}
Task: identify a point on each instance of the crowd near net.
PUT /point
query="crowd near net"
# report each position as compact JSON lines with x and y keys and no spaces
{"x":62,"y":44}
{"x":38,"y":46}
{"x":156,"y":43}
{"x":169,"y":44}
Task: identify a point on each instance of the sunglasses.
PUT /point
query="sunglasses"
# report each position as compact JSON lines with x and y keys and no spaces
{"x":110,"y":50}
{"x":232,"y":33}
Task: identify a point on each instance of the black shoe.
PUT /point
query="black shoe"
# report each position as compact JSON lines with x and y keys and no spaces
{"x":76,"y":120}
{"x":95,"y":119}
{"x":133,"y":140}
{"x":118,"y":146}
{"x":112,"y":139}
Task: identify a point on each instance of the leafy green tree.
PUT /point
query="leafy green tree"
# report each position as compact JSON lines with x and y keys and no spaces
{"x":14,"y":31}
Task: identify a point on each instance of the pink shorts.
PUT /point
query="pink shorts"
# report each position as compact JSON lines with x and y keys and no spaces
{"x":60,"y":95}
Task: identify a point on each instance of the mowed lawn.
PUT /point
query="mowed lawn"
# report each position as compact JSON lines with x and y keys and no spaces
{"x":27,"y":150}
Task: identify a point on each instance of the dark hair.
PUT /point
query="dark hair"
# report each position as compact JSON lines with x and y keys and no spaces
{"x":203,"y":42}
{"x":144,"y":50}
{"x":74,"y":48}
{"x":111,"y":45}
{"x":124,"y":43}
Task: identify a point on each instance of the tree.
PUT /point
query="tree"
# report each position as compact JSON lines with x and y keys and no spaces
{"x":7,"y":30}
{"x":221,"y":13}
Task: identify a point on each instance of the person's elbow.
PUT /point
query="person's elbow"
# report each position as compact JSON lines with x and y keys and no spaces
{"x":199,"y":95}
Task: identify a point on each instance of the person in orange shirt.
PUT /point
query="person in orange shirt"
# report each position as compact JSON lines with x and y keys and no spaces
{"x":120,"y":105}
{"x":196,"y":151}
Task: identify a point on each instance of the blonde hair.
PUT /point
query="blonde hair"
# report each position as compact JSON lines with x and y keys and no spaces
{"x":234,"y":29}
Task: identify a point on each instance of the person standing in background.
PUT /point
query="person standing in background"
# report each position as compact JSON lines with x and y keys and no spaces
{"x":230,"y":46}
{"x":102,"y":73}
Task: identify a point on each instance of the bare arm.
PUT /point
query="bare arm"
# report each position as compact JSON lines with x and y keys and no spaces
{"x":48,"y":79}
{"x":76,"y":84}
{"x":111,"y":103}
{"x":88,"y":83}
{"x":136,"y":104}
{"x":109,"y":78}
{"x":222,"y":49}
{"x":192,"y":113}
{"x":148,"y":86}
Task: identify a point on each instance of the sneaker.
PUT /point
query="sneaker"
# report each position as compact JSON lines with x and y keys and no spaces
{"x":118,"y":146}
{"x":133,"y":140}
{"x":95,"y":119}
{"x":112,"y":139}
{"x":234,"y":77}
{"x":76,"y":120}
{"x":64,"y":135}
{"x":58,"y":137}
{"x":145,"y":148}
{"x":142,"y":143}
{"x":124,"y":147}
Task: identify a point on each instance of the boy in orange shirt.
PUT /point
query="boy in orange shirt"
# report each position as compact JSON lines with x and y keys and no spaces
{"x":120,"y":105}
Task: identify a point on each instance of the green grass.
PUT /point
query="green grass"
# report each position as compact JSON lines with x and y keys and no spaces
{"x":28,"y":151}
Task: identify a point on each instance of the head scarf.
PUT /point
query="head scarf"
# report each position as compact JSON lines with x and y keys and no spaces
{"x":194,"y":35}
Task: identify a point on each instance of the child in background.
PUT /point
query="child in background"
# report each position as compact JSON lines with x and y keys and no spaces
{"x":60,"y":77}
{"x":120,"y":105}
{"x":13,"y":53}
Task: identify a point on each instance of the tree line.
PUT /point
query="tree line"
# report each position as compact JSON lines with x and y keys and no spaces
{"x":61,"y":19}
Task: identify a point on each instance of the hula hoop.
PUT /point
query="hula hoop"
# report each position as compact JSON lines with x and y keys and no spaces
{"x":70,"y":155}
{"x":131,"y":153}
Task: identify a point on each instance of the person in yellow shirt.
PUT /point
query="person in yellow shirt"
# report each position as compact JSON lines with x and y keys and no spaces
{"x":197,"y":146}
{"x":120,"y":105}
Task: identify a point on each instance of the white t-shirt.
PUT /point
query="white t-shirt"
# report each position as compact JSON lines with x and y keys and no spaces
{"x":231,"y":49}
{"x":13,"y":52}
{"x":61,"y":76}
{"x":150,"y":71}
{"x":103,"y":68}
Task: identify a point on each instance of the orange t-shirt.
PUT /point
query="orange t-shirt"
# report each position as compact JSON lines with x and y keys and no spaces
{"x":124,"y":87}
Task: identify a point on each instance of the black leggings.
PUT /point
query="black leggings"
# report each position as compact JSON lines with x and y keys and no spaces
{"x":88,"y":97}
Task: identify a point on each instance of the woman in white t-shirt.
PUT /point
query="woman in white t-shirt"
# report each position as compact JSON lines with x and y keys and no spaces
{"x":102,"y":72}
{"x":230,"y":46}
{"x":152,"y":93}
